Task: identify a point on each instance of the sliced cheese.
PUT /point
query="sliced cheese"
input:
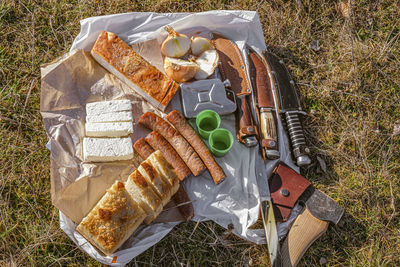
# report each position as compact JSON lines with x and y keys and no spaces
{"x":110,"y":117}
{"x":144,"y":194}
{"x":102,"y":107}
{"x":107,"y":149}
{"x":109,"y":129}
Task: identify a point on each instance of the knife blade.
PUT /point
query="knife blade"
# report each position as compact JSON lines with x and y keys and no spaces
{"x":289,"y":105}
{"x":233,"y":68}
{"x":268,"y":216}
{"x":261,"y":80}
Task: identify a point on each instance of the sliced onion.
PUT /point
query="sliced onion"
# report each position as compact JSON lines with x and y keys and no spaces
{"x":176,"y":45}
{"x":208,"y":62}
{"x":180,"y":70}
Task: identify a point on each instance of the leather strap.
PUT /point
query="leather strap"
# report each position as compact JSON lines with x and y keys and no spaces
{"x":286,"y":186}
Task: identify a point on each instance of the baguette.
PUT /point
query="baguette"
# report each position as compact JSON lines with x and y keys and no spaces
{"x":113,"y":220}
{"x":143,"y":148}
{"x":177,"y":141}
{"x":159,"y":143}
{"x":121,"y":60}
{"x":179,"y":122}
{"x":144,"y":194}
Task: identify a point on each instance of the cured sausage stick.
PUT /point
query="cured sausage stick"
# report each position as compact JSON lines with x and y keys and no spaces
{"x":159,"y":143}
{"x":180,"y":197}
{"x":177,"y":141}
{"x":179,"y":122}
{"x":143,"y":148}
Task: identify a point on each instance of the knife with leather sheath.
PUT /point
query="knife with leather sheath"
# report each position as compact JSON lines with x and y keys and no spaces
{"x":261,"y":78}
{"x":288,"y":188}
{"x":232,"y":67}
{"x":289,"y":105}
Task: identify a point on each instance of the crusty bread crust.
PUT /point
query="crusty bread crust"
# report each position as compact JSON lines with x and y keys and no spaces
{"x":162,"y":188}
{"x":121,"y":60}
{"x":165,"y":170}
{"x":113,"y":220}
{"x":144,"y":195}
{"x":180,"y":123}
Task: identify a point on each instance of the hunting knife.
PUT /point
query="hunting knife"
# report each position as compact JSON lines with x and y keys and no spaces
{"x":289,"y":105}
{"x":265,"y":104}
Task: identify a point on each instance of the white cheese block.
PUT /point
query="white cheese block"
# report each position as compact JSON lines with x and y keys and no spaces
{"x":102,"y":107}
{"x":110,"y":117}
{"x":107,"y":149}
{"x":109,"y":129}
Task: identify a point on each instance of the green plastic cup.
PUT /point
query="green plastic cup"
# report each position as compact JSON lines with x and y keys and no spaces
{"x":221,"y":141}
{"x":206,"y":122}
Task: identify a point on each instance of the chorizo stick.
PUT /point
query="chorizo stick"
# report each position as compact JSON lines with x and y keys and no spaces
{"x":159,"y":143}
{"x":143,"y":148}
{"x":179,"y":122}
{"x":181,"y":197}
{"x":177,"y":141}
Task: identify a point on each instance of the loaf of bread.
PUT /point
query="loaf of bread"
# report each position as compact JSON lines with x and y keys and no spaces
{"x":177,"y":141}
{"x":180,"y":123}
{"x":120,"y":59}
{"x":115,"y":210}
{"x":180,"y":198}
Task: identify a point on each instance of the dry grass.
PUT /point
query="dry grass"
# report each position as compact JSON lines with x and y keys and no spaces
{"x":350,"y":88}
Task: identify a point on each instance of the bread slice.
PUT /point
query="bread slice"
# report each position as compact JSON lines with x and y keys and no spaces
{"x":144,"y":194}
{"x":153,"y":177}
{"x":121,"y":60}
{"x":165,"y":169}
{"x":113,"y":220}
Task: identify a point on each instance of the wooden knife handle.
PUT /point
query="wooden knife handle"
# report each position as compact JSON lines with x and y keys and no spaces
{"x":246,"y":125}
{"x":305,"y":230}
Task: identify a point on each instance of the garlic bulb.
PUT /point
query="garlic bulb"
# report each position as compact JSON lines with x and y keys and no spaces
{"x":176,"y":44}
{"x":199,"y":45}
{"x":180,"y":70}
{"x":208,"y":62}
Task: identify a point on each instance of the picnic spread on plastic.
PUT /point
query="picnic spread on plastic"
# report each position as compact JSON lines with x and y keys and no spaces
{"x":211,"y":77}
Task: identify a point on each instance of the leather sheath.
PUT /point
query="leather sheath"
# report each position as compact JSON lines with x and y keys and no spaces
{"x":286,"y":186}
{"x":232,"y":66}
{"x":265,"y":99}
